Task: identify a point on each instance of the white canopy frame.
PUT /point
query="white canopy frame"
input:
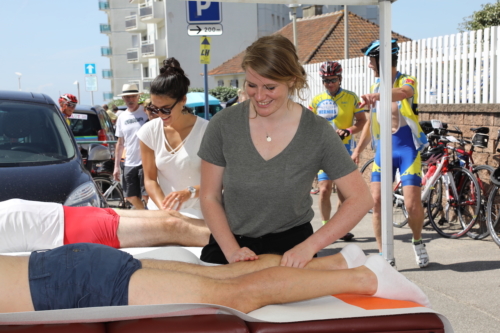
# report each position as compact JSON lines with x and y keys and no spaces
{"x":386,"y":84}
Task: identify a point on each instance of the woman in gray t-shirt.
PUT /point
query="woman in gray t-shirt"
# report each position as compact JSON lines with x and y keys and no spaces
{"x":264,"y":153}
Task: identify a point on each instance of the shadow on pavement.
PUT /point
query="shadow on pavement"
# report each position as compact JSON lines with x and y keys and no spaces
{"x":462,"y":267}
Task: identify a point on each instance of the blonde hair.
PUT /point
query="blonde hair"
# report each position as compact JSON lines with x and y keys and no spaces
{"x":275,"y":58}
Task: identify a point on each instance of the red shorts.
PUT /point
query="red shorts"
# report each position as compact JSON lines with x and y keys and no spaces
{"x":91,"y":225}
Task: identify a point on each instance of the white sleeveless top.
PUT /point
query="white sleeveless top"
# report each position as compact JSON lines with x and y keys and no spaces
{"x":177,"y":169}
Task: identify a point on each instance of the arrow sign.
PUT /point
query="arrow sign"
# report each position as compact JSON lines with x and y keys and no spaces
{"x":197,"y":29}
{"x":205,"y":29}
{"x":89,"y":69}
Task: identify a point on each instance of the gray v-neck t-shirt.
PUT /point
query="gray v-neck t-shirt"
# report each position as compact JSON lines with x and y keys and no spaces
{"x":262,"y":197}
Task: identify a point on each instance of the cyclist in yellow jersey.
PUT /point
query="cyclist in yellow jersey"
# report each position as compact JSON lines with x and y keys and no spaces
{"x":407,"y":140}
{"x":67,"y":103}
{"x":341,"y":108}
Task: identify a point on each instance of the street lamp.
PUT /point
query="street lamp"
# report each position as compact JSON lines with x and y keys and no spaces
{"x":19,"y":77}
{"x":293,"y":16}
{"x":78,"y":87}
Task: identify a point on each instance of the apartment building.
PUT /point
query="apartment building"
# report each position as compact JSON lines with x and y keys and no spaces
{"x":142,"y":33}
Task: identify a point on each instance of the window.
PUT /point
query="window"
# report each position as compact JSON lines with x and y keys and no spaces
{"x":220,"y":83}
{"x":278,"y":21}
{"x":234,"y":83}
{"x":272,"y":15}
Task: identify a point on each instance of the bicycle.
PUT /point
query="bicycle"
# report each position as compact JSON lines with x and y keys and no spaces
{"x":443,"y":179}
{"x":111,"y":190}
{"x":455,"y":195}
{"x":482,"y":173}
{"x":493,"y":205}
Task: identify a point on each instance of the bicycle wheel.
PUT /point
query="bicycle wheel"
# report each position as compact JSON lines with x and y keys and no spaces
{"x":483,"y":174}
{"x":455,"y":214}
{"x":399,"y":213}
{"x":112,"y":193}
{"x":366,"y":171}
{"x":493,"y":214}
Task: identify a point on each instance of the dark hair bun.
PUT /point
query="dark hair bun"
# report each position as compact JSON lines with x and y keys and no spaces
{"x":171,"y":67}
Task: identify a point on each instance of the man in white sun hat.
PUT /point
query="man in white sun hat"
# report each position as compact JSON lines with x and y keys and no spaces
{"x":127,"y":126}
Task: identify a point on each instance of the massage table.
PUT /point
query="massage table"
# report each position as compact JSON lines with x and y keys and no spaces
{"x":336,"y":313}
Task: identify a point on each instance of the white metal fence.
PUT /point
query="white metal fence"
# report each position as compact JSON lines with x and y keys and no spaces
{"x":456,"y":69}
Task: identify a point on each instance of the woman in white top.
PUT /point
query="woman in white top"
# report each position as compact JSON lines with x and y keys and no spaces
{"x":170,"y":143}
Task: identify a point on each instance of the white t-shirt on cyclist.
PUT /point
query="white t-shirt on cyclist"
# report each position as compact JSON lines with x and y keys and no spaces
{"x":127,"y":125}
{"x":178,"y":170}
{"x":27,"y":226}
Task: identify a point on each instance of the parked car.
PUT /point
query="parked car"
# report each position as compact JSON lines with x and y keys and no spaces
{"x":90,"y":125}
{"x":39,"y":158}
{"x":196,"y":101}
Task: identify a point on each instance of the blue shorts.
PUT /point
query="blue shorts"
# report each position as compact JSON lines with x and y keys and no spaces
{"x":80,"y":276}
{"x":322,"y":175}
{"x":405,"y":157}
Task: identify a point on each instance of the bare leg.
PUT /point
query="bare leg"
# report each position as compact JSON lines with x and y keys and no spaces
{"x":376,"y":216}
{"x":248,"y":292}
{"x":413,"y":204}
{"x":333,"y":262}
{"x":154,"y":231}
{"x":146,"y":214}
{"x":136,"y":202}
{"x":325,"y":193}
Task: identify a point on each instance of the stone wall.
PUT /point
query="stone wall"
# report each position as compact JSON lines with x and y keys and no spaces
{"x":463,"y":116}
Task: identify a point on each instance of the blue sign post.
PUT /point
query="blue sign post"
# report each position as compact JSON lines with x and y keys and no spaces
{"x":204,"y":12}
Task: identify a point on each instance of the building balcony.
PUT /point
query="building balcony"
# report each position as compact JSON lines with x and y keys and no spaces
{"x":107,"y":74}
{"x":103,"y":5}
{"x":107,"y":95}
{"x":105,"y":28}
{"x":133,"y":24}
{"x":152,"y":14}
{"x":106,"y":51}
{"x":146,"y":84}
{"x":134,"y":56}
{"x":154,"y":49}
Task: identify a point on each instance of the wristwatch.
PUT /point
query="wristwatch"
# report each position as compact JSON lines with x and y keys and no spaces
{"x":192,"y":190}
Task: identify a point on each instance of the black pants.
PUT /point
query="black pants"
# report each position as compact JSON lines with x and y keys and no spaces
{"x":276,"y":243}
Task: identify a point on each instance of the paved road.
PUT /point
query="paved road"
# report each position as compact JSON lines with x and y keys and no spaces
{"x":462,"y":281}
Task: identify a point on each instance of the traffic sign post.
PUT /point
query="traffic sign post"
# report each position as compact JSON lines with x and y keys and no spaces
{"x":205,"y":29}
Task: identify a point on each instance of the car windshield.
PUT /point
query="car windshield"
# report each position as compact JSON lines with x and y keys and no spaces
{"x":33,"y":134}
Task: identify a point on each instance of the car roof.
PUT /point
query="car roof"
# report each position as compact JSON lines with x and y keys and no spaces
{"x":24,"y":96}
{"x":88,"y":109}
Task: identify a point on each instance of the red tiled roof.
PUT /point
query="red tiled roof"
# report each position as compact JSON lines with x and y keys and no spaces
{"x":320,"y":38}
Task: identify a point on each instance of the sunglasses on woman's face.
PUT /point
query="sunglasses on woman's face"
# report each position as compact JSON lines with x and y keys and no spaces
{"x":328,"y":81}
{"x":154,"y":110}
{"x":70,"y":104}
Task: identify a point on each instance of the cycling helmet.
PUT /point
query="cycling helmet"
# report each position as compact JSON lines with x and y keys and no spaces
{"x":373,"y":49}
{"x":68,"y":98}
{"x":330,"y":68}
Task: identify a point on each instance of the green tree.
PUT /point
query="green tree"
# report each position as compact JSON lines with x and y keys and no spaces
{"x":223,"y":94}
{"x":488,"y":16}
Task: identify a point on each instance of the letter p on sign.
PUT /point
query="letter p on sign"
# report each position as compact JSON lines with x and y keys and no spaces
{"x":201,"y":5}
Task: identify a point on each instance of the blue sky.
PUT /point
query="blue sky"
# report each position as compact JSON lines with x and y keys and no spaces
{"x":49,"y":41}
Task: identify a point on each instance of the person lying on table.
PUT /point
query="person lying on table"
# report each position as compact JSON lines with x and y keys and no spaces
{"x":94,"y":275}
{"x":33,"y":225}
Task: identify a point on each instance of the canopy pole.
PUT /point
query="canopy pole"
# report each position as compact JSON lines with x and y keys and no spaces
{"x":386,"y":85}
